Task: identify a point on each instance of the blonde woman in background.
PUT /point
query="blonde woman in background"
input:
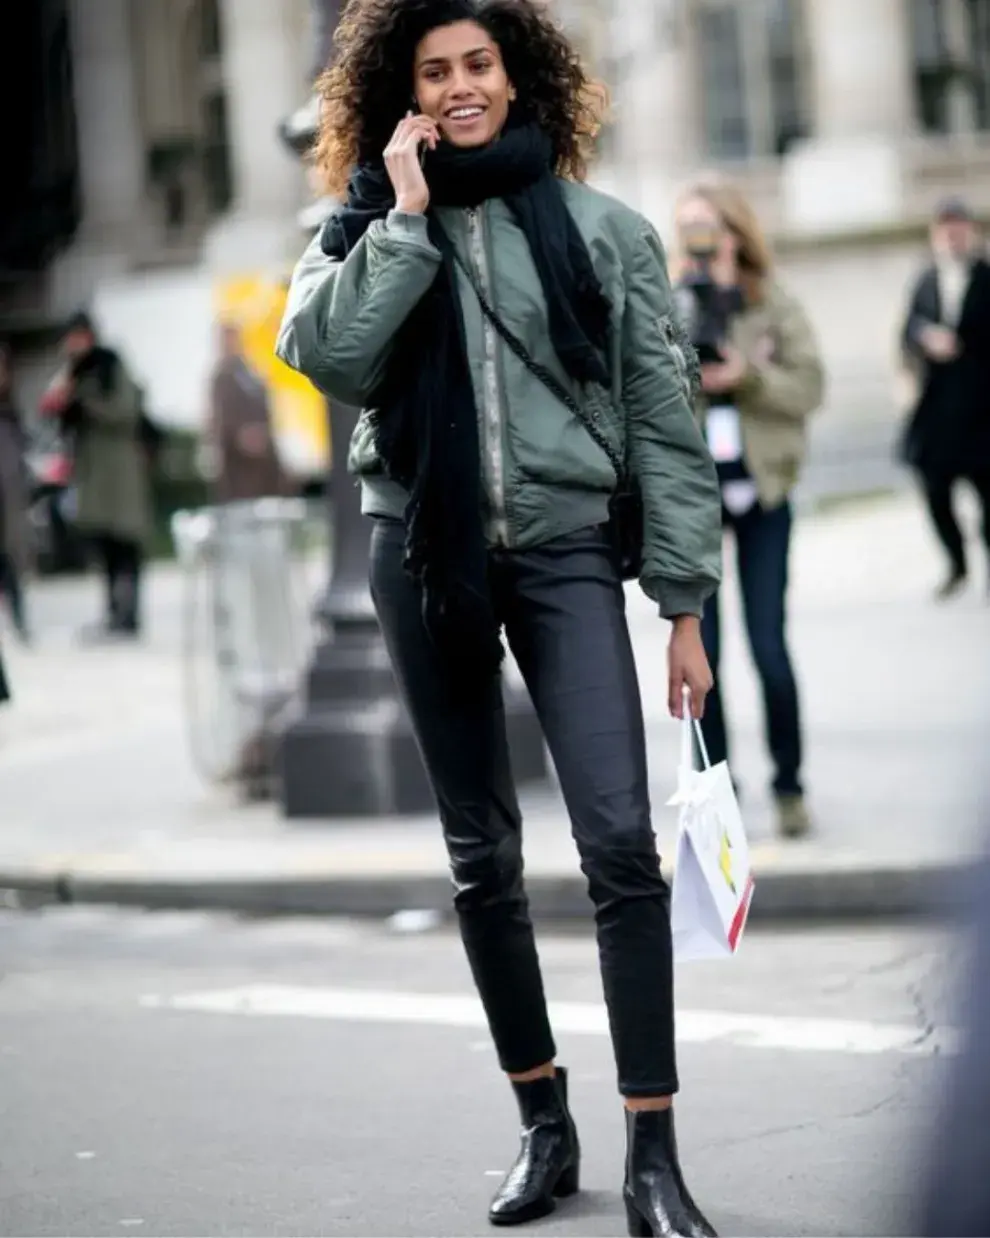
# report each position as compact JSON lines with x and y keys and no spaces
{"x":761,"y":378}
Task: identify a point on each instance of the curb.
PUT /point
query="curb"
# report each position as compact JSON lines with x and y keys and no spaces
{"x":822,"y":895}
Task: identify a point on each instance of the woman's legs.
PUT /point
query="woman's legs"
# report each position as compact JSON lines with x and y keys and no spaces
{"x":564,"y":609}
{"x":121,"y":561}
{"x":981,"y":482}
{"x":10,"y":584}
{"x":764,"y":545}
{"x":465,"y":751}
{"x":938,"y":489}
{"x":105,"y":549}
{"x":127,"y":586}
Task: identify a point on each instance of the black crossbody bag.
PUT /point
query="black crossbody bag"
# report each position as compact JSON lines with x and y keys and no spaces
{"x":625,"y":525}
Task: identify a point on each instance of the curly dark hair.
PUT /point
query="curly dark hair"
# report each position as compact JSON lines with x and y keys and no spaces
{"x":366,"y":90}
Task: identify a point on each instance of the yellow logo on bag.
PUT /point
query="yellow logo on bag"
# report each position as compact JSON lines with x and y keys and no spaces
{"x":725,"y":860}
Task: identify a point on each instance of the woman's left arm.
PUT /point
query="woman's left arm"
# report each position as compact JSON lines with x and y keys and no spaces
{"x":789,"y":381}
{"x":682,"y":533}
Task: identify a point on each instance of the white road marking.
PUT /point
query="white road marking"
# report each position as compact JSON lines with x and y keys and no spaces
{"x":163,"y":925}
{"x":576,"y":1018}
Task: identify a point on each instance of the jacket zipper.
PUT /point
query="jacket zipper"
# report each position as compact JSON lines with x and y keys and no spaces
{"x":492,"y":418}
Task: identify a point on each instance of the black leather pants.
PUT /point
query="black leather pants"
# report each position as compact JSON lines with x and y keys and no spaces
{"x":563,"y":610}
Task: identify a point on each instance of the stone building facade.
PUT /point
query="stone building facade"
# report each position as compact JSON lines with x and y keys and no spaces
{"x":839,"y":113}
{"x":841,"y":116}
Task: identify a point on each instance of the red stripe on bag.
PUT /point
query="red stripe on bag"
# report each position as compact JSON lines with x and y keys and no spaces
{"x":742,"y":912}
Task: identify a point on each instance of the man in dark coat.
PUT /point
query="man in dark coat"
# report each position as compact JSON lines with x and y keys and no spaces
{"x":241,"y":427}
{"x":946,"y":339}
{"x":100,"y":405}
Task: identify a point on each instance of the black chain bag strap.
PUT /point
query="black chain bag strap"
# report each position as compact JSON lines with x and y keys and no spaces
{"x":625,"y":526}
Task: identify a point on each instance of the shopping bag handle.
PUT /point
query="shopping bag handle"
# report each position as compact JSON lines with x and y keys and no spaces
{"x":691,"y":729}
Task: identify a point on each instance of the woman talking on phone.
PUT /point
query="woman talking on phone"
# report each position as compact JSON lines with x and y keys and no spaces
{"x":510,"y":335}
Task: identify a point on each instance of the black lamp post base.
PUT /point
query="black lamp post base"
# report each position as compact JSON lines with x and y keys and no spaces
{"x":354,"y":758}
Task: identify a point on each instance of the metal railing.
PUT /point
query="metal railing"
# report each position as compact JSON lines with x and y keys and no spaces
{"x":247,"y":600}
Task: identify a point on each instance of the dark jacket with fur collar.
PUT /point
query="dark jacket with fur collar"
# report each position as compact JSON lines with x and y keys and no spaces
{"x":949,"y":429}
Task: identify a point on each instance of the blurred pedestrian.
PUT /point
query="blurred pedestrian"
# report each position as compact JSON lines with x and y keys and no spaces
{"x":946,"y":342}
{"x":761,"y":378}
{"x":240,"y":427}
{"x":100,"y":405}
{"x":249,"y":573}
{"x":483,"y":303}
{"x":15,"y":542}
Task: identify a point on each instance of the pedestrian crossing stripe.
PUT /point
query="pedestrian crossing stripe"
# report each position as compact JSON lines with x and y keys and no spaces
{"x":749,"y":1031}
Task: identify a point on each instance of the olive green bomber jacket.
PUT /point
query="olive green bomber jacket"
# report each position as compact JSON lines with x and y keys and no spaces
{"x":784,"y":385}
{"x":544,"y":475}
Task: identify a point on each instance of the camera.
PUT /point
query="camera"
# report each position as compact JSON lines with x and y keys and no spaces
{"x":706,"y":307}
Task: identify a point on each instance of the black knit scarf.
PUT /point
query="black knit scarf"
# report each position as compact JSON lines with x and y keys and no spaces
{"x":428,"y":436}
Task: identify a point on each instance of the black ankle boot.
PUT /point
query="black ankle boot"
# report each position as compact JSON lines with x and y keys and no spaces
{"x":657,"y":1201}
{"x":547,"y":1166}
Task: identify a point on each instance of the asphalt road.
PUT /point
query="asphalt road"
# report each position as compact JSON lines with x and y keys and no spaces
{"x":186,"y":1074}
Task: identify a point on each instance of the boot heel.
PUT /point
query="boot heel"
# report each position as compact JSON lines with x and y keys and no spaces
{"x":569,"y":1182}
{"x":637,"y":1227}
{"x":547,"y":1167}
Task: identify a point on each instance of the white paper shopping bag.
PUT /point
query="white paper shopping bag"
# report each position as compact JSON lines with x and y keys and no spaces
{"x":713,"y":884}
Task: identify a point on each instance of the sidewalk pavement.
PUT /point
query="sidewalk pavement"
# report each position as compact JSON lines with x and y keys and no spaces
{"x":99,"y":801}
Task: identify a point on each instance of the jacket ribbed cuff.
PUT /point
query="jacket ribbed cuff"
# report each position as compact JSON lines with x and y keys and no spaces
{"x":408,"y":227}
{"x":676,"y":598}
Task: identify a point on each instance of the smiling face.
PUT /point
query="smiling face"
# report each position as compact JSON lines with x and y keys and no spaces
{"x":461,"y":83}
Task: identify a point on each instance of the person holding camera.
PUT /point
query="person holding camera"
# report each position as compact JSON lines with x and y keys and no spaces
{"x":510,"y":334}
{"x":761,"y":378}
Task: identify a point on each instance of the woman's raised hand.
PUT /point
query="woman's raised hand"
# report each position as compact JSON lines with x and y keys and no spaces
{"x":402,"y":162}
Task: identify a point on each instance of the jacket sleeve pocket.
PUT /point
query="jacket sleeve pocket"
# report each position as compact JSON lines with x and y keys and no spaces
{"x":682,"y":534}
{"x":341,"y":317}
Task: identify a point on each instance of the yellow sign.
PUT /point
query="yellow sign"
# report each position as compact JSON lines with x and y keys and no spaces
{"x":256,"y":303}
